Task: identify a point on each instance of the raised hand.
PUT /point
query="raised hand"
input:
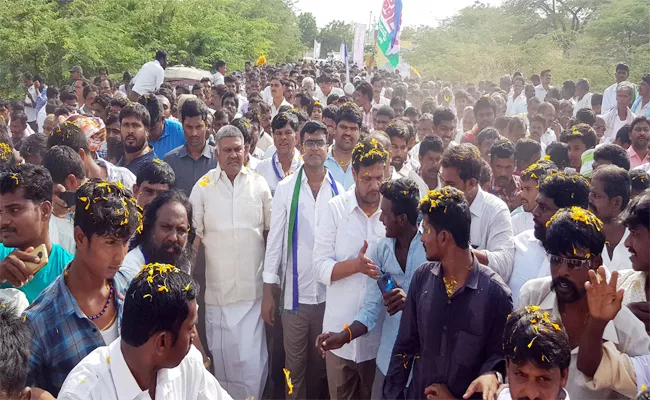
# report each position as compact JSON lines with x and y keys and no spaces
{"x":365,"y":265}
{"x":603,"y":298}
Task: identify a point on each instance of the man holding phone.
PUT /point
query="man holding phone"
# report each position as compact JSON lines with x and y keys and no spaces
{"x":26,"y":198}
{"x":397,"y":255}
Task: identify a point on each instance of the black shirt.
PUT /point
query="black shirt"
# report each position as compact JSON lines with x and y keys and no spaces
{"x":450,"y":341}
{"x":137,"y":163}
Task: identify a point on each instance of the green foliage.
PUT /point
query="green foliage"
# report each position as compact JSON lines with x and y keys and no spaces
{"x":308,"y":28}
{"x":335,"y":33}
{"x":576,"y":39}
{"x":47,"y":37}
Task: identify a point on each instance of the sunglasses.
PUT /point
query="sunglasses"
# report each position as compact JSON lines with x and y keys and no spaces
{"x":573,"y":263}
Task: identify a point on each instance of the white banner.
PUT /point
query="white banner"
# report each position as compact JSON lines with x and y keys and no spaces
{"x":316,"y":49}
{"x":359,"y":44}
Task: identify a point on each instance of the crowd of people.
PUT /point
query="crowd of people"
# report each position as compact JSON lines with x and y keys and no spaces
{"x":297,"y":231}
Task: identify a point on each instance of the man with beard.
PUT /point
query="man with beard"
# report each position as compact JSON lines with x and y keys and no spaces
{"x":114,"y":145}
{"x":443,"y":124}
{"x":609,"y":194}
{"x":154,"y":178}
{"x":289,"y":258}
{"x":522,"y":217}
{"x":574,"y":242}
{"x":348,"y":124}
{"x":556,"y":190}
{"x":26,"y":198}
{"x":454,"y":284}
{"x":430,"y":155}
{"x":505,"y":185}
{"x":167,"y":234}
{"x":485,"y":113}
{"x":81,"y":310}
{"x":286,"y":159}
{"x":196,"y":157}
{"x":346,"y":226}
{"x":134,"y":128}
{"x":400,"y":142}
{"x":639,"y":152}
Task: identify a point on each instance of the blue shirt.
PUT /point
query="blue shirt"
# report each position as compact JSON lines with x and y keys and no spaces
{"x":57,"y":260}
{"x":345,"y":178}
{"x":172,"y":137}
{"x":383,"y":255}
{"x":137,"y":163}
{"x":62,"y":335}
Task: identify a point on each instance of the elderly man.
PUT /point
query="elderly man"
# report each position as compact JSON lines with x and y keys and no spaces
{"x":232,"y":215}
{"x":621,"y":114}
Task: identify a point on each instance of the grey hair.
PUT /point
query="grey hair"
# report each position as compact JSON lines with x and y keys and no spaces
{"x":583,"y":83}
{"x":228,"y":131}
{"x":626,"y":85}
{"x":308,"y":83}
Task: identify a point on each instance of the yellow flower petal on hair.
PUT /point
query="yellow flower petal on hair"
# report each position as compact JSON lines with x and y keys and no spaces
{"x":163,"y":288}
{"x":147,"y":295}
{"x":557,"y":327}
{"x":187,"y":288}
{"x":531,"y":342}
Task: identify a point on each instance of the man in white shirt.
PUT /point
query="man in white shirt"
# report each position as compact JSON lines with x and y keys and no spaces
{"x":363,"y":95}
{"x":31,"y":96}
{"x":540,"y":371}
{"x":608,"y":197}
{"x":522,"y":218}
{"x":232,"y":214}
{"x":325,"y":85}
{"x":218,"y":77}
{"x":556,"y":190}
{"x":288,"y":264}
{"x":610,"y":94}
{"x":378,"y":100}
{"x":277,"y":95}
{"x":347,"y":226}
{"x":517,"y":101}
{"x":154,"y":357}
{"x":286,"y":160}
{"x":544,"y":86}
{"x":150,"y":76}
{"x":621,"y":114}
{"x":491,"y":229}
{"x":583,"y":96}
{"x":574,"y":241}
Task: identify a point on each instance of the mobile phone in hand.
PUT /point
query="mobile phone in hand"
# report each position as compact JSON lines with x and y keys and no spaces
{"x":386,"y":283}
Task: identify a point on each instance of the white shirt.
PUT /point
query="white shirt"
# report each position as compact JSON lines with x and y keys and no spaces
{"x":382,"y":102}
{"x":276,"y":260}
{"x":30,"y":108}
{"x":274,"y":109}
{"x":540,"y":93}
{"x":522,"y":221}
{"x":133,"y":262}
{"x":585,"y":102}
{"x":323,"y":99}
{"x":253,"y":162}
{"x":505,"y":395}
{"x":231,"y":220}
{"x":621,"y":255}
{"x":265,"y":141}
{"x":267,"y":170}
{"x":409,"y":172}
{"x":14,"y":298}
{"x":340,"y":233}
{"x":61,"y":232}
{"x":218,"y":79}
{"x":548,"y":137}
{"x":625,"y":331}
{"x":149,"y":78}
{"x":41,"y":116}
{"x":517,"y":106}
{"x":529,"y":258}
{"x":613,"y":123}
{"x":491,"y":231}
{"x":609,"y":99}
{"x":266,"y":95}
{"x":105,"y":375}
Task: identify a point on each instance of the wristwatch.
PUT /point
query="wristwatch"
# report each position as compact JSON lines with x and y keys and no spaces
{"x":499,"y":377}
{"x":207,"y":363}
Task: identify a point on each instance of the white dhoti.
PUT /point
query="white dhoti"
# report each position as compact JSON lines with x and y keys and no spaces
{"x":236,"y":339}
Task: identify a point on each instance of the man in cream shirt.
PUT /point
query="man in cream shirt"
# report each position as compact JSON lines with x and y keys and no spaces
{"x":232,"y":215}
{"x":347,"y":226}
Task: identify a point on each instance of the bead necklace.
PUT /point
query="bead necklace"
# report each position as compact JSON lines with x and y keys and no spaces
{"x":108,"y":301}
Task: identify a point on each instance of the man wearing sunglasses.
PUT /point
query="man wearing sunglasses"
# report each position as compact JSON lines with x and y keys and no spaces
{"x":574,"y":243}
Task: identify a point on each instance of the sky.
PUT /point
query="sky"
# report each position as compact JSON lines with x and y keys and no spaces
{"x":416,"y":12}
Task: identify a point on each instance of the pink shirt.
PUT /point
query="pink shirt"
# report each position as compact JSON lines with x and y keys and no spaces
{"x":635,"y":159}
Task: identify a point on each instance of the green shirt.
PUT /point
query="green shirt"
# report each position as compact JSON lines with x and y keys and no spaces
{"x":57,"y":260}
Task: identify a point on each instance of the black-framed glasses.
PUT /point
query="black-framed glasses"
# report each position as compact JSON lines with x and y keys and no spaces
{"x":573,"y":263}
{"x":314,"y":144}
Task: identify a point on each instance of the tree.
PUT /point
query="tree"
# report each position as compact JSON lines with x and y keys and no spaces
{"x":308,"y":29}
{"x":335,"y":33}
